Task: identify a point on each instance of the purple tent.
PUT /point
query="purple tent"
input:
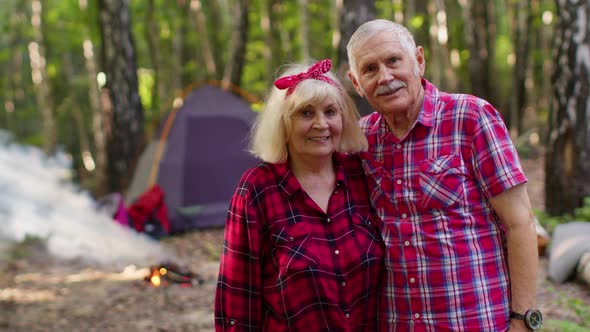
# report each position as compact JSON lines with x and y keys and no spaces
{"x":203,"y":158}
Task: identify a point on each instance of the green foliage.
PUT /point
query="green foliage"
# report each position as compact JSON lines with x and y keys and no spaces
{"x":27,"y":247}
{"x":417,"y":22}
{"x":180,"y":46}
{"x":550,"y":222}
{"x":580,"y":323}
{"x":146,"y":86}
{"x":553,"y":325}
{"x":582,"y":310}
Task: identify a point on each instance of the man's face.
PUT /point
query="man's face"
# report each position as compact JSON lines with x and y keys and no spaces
{"x":387,"y":75}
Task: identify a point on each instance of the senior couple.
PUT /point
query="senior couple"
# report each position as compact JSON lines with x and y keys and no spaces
{"x":416,"y":220}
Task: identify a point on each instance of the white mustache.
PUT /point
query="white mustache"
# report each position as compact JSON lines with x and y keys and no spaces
{"x":391,"y":87}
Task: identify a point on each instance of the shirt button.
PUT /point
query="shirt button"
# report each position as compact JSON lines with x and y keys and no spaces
{"x":399,"y":181}
{"x":417,"y":315}
{"x":347,"y":316}
{"x":369,"y":223}
{"x":399,"y":146}
{"x":407,"y":243}
{"x":328,"y":220}
{"x":337,"y":252}
{"x":343,"y":283}
{"x":412,"y":280}
{"x":232,"y":322}
{"x":291,"y":239}
{"x":404,"y":215}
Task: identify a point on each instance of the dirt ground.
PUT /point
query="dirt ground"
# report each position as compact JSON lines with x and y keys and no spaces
{"x":38,"y":293}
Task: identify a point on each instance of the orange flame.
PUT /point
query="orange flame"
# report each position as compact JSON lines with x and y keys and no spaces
{"x":155,"y":279}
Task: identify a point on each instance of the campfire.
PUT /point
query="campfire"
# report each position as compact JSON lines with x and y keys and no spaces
{"x":166,"y":273}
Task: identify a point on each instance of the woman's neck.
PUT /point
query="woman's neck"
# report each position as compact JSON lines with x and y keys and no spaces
{"x":318,"y":179}
{"x":312,"y":167}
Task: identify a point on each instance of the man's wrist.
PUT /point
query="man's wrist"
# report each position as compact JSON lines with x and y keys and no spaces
{"x":532,"y":318}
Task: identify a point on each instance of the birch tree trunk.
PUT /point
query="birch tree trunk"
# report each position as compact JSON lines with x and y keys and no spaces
{"x":39,"y":77}
{"x":126,"y":137}
{"x":567,"y":161}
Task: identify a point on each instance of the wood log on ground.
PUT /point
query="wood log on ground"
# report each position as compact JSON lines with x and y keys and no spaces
{"x":583,"y":268}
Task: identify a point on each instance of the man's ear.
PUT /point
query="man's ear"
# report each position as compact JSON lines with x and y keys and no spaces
{"x":355,"y":83}
{"x":421,"y":60}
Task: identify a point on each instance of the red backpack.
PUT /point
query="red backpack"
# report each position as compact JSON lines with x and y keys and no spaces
{"x":148,"y":214}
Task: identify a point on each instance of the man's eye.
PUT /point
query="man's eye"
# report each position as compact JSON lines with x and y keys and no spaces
{"x":393,"y":60}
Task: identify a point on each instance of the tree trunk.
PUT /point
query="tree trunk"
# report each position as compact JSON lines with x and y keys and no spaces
{"x":153,"y":40}
{"x":12,"y":79}
{"x":304,"y":29}
{"x":199,"y":17}
{"x":480,"y":34}
{"x":409,"y":12}
{"x":98,"y":130}
{"x":271,"y":37}
{"x":518,"y":97}
{"x":177,"y":47}
{"x":354,"y":13}
{"x":237,"y":59}
{"x":337,"y":6}
{"x":435,"y":64}
{"x":567,"y":160}
{"x":219,"y":23}
{"x":39,"y":77}
{"x":187,"y":52}
{"x":448,"y":74}
{"x":126,"y":137}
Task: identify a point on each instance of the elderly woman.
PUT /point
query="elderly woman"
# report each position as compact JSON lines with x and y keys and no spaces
{"x":302,"y":250}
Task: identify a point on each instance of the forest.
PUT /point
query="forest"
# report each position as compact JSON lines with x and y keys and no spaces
{"x":94,"y":78}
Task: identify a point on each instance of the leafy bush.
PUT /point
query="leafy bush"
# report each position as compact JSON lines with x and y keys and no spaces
{"x":550,"y":222}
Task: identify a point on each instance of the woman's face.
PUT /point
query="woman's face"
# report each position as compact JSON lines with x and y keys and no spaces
{"x":316,"y":131}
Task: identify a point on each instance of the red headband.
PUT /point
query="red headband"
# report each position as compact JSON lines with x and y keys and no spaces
{"x":314,"y":72}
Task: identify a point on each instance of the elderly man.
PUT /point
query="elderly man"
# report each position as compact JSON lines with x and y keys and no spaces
{"x":446,"y":180}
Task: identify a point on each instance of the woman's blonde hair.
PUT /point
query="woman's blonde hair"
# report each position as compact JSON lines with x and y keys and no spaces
{"x":271,"y":131}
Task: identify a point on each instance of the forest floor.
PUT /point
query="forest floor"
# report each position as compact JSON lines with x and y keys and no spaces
{"x":39,"y":293}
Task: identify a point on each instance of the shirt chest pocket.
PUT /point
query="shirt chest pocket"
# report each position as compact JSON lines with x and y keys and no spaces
{"x":441,"y":182}
{"x":293,"y":249}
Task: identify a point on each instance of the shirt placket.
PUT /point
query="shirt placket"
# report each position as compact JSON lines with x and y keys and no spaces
{"x":332,"y":225}
{"x":406,"y":233}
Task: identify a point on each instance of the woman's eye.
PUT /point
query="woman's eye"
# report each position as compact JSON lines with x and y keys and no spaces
{"x":330,"y":112}
{"x":306,"y":113}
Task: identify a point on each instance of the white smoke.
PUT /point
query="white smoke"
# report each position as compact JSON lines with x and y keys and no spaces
{"x":36,"y":198}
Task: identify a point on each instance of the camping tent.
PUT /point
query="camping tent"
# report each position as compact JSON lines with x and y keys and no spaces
{"x":198,"y":158}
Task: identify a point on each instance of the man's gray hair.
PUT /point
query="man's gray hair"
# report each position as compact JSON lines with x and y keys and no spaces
{"x":372,"y":28}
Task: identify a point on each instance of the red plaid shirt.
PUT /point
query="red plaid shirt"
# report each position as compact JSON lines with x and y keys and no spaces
{"x":288,"y":266}
{"x":446,"y":259}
